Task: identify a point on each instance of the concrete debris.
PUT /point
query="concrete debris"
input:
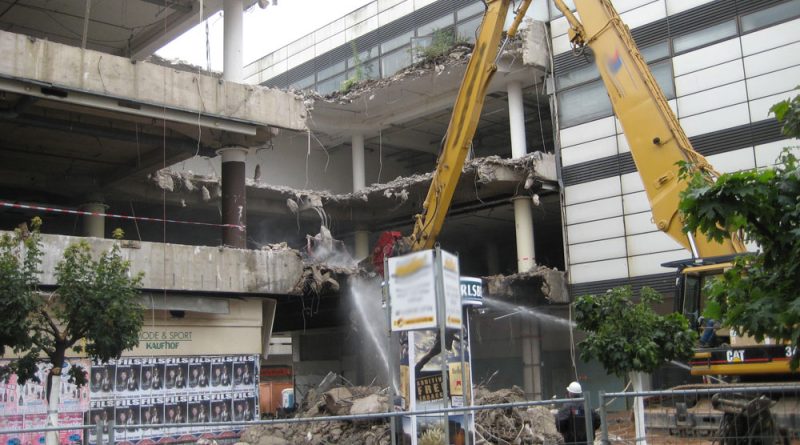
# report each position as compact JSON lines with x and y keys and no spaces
{"x":206,"y":193}
{"x":276,"y":246}
{"x":181,"y":65}
{"x":535,"y":425}
{"x":551,"y":283}
{"x":317,"y":280}
{"x":486,"y":170}
{"x":457,"y":55}
{"x":335,"y":401}
{"x":187,"y":181}
{"x":164,"y":180}
{"x":292,"y":204}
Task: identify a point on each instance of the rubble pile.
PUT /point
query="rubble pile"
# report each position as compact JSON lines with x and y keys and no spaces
{"x":337,"y":401}
{"x":534,"y":425}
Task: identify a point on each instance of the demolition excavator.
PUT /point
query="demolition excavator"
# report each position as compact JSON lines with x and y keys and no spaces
{"x":657,"y":143}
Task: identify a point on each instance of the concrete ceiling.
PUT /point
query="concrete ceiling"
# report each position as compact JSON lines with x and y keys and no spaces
{"x":129,"y":28}
{"x":407,"y":117}
{"x":68,"y":153}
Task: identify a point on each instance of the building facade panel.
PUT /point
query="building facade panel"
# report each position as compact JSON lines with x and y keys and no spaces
{"x":729,"y":62}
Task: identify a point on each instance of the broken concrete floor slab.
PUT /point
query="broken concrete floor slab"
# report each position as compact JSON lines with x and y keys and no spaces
{"x":482,"y":178}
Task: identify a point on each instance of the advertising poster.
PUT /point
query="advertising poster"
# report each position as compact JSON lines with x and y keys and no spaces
{"x":167,"y":391}
{"x":131,"y":391}
{"x":25,"y":406}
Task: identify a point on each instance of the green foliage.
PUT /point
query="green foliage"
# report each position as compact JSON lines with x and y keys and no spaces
{"x":95,"y":303}
{"x":442,"y":41}
{"x":626,"y":336}
{"x":759,"y":295}
{"x":20,"y":256}
{"x":788,"y":112}
{"x":359,"y":73}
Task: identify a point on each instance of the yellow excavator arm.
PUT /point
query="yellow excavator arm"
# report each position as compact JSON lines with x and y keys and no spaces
{"x":463,"y":122}
{"x":657,"y":141}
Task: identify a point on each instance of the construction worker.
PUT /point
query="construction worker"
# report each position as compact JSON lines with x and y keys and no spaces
{"x":571,"y":418}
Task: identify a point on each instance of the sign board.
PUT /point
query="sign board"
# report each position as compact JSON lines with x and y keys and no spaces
{"x":471,"y":291}
{"x":452,"y":290}
{"x":412,"y":286}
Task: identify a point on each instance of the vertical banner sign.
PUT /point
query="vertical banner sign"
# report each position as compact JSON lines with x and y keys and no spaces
{"x":434,"y":371}
{"x":452,"y":290}
{"x":412,"y":286}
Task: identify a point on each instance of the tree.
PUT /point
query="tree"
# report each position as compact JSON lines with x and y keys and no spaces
{"x":631,"y":338}
{"x":95,"y":302}
{"x":759,"y":295}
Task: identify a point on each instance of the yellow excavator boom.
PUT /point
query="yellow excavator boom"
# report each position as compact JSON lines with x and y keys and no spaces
{"x":463,"y":122}
{"x":657,"y":141}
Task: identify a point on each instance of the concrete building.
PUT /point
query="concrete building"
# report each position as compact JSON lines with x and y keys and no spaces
{"x":333,"y":138}
{"x":721,"y":64}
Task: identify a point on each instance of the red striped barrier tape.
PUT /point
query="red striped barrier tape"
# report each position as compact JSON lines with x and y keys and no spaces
{"x":12,"y":205}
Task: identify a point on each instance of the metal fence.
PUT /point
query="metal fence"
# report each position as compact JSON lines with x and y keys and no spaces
{"x":109,"y":433}
{"x":725,"y":414}
{"x":695,"y":414}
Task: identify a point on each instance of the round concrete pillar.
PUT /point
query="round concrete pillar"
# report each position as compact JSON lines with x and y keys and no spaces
{"x":233,"y":38}
{"x":94,"y":225}
{"x":234,"y":199}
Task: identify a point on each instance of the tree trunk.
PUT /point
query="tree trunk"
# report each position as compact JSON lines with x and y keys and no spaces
{"x":54,"y":393}
{"x":638,"y":407}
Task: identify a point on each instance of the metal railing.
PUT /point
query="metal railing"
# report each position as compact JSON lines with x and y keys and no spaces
{"x":724,"y":414}
{"x":107,"y":433}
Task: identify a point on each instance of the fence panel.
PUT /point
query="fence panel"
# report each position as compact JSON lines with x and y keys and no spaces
{"x":697,"y":414}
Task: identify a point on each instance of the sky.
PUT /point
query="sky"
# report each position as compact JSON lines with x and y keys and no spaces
{"x":265,"y":30}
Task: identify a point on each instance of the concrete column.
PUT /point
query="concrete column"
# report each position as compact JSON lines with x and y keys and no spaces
{"x":526,"y":255}
{"x":531,"y":358}
{"x":94,"y":225}
{"x":233,"y":38}
{"x":523,"y":214}
{"x":359,"y":183}
{"x":516,"y":120}
{"x":234,"y":202}
{"x":523,"y":224}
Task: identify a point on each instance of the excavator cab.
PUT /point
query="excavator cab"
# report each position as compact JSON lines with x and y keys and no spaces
{"x":693,"y":281}
{"x":692,"y":277}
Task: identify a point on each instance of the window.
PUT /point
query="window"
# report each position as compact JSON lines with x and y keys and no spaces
{"x":655,"y":52}
{"x":704,"y":36}
{"x":583,"y":104}
{"x":576,"y":77}
{"x":770,"y":16}
{"x":469,"y":11}
{"x":662,"y":71}
{"x":331,"y":70}
{"x":369,"y":70}
{"x":469,"y":29}
{"x":362,"y":56}
{"x":439,"y":23}
{"x":330,"y":85}
{"x":394,"y":62}
{"x":397,"y":42}
{"x":303,"y":84}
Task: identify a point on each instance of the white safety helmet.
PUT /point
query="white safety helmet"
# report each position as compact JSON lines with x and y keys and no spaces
{"x":575,"y":388}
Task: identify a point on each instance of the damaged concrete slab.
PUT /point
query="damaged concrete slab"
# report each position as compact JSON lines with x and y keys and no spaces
{"x":542,"y":285}
{"x":55,"y":71}
{"x":175,"y":267}
{"x":484,"y":177}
